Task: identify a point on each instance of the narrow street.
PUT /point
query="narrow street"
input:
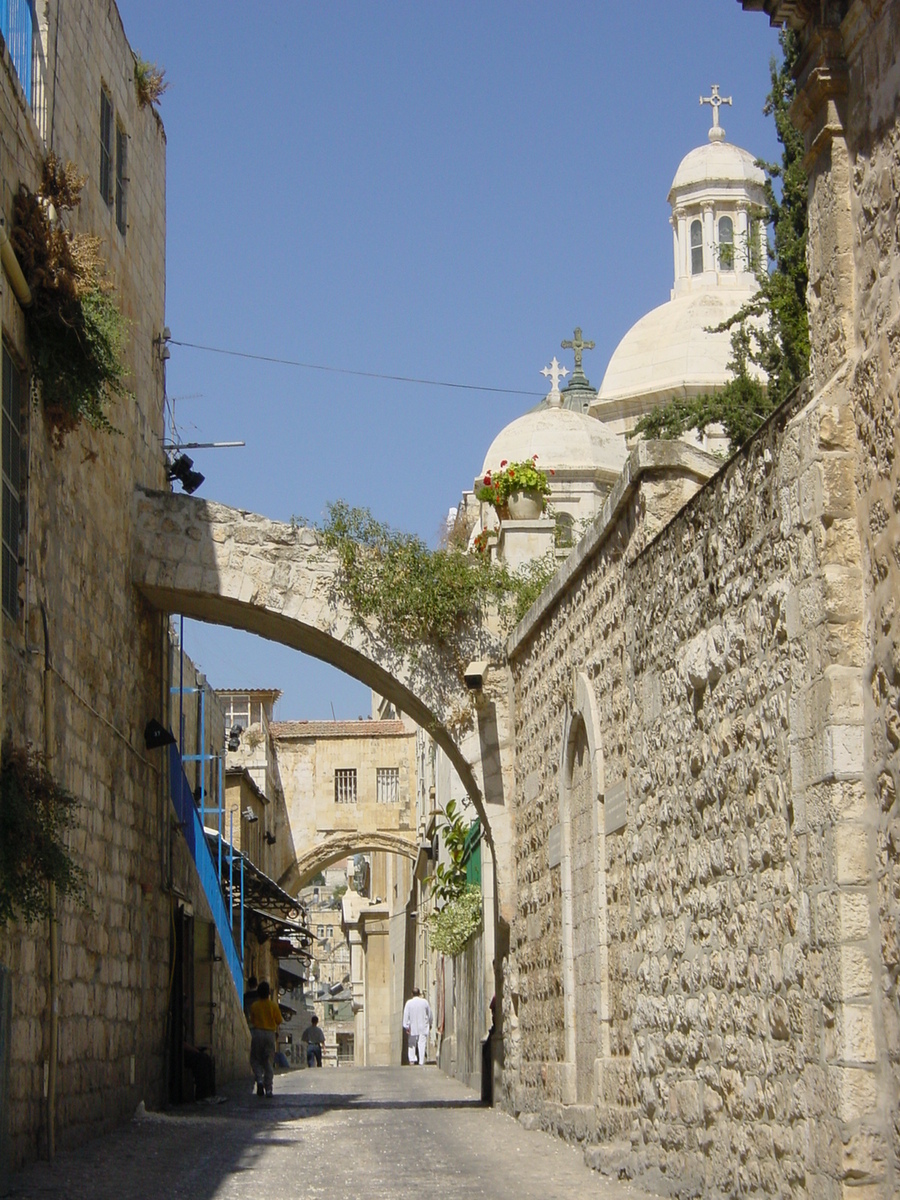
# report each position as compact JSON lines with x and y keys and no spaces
{"x":387,"y":1132}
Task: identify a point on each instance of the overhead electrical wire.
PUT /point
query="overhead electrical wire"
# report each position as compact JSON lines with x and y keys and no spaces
{"x":290,"y":362}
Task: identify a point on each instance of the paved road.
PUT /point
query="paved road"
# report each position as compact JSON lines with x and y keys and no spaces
{"x":384,"y":1132}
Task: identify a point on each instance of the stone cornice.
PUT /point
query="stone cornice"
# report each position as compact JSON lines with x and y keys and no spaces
{"x":794,"y":13}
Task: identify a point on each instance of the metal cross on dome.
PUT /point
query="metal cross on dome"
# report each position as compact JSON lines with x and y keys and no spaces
{"x":554,"y":373}
{"x":715,"y":101}
{"x":578,"y":346}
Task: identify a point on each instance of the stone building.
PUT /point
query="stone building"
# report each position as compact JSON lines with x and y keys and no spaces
{"x":350,"y":787}
{"x":703,"y":969}
{"x":85,"y":661}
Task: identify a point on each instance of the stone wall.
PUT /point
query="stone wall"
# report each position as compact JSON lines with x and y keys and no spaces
{"x":86,"y":663}
{"x":105,"y":647}
{"x":721,"y":661}
{"x":871,"y":39}
{"x":746,"y":819}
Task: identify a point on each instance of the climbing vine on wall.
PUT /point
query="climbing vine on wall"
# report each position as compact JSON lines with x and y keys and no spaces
{"x":35,"y":813}
{"x":76,"y":332}
{"x":419,"y":595}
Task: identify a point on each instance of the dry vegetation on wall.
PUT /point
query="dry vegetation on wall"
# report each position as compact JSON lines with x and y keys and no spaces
{"x":149,"y":82}
{"x":76,"y":333}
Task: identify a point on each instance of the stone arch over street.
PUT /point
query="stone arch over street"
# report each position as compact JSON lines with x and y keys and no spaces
{"x":335,"y":846}
{"x":230,"y":567}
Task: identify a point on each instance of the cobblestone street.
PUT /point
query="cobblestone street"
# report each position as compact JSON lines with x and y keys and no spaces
{"x":380,"y":1132}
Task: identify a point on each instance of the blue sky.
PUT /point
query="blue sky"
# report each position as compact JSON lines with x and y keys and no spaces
{"x":419,"y":189}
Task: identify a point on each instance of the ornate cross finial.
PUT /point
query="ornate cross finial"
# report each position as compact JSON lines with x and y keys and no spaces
{"x":554,"y":373}
{"x":717,"y":133}
{"x":578,"y":346}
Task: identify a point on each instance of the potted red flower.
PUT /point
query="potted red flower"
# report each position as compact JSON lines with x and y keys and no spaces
{"x":517,"y":489}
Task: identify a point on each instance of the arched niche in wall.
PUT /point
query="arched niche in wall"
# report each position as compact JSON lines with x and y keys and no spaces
{"x":583,"y":891}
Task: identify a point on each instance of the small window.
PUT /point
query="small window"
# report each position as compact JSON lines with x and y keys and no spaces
{"x":320,"y":931}
{"x":726,"y":244}
{"x":387,"y":785}
{"x":696,"y":248}
{"x":345,"y":786}
{"x":13,"y":387}
{"x":106,"y":145}
{"x":121,"y":179}
{"x":237,"y":712}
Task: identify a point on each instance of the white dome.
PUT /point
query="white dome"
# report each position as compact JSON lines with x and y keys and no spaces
{"x":562,"y":440}
{"x":670,"y":353}
{"x":716,"y":163}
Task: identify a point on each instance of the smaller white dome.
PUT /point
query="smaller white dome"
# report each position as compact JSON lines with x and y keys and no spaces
{"x":562,"y":440}
{"x":716,"y":163}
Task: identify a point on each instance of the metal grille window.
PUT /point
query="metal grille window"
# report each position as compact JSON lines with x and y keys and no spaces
{"x":12,"y":416}
{"x":345,"y":786}
{"x":17,"y":27}
{"x":121,"y":179}
{"x":387,"y":785}
{"x":106,"y":145}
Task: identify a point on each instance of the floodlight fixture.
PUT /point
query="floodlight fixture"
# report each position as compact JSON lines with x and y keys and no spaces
{"x":180,"y":468}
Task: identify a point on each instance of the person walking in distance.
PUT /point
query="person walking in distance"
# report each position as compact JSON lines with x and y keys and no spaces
{"x":417,"y":1024}
{"x":265,"y":1017}
{"x":315,"y":1040}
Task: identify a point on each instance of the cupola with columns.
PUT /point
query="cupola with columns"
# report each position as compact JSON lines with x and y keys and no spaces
{"x":717,"y":191}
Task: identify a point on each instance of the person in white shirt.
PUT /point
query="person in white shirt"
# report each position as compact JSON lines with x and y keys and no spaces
{"x":417,"y":1023}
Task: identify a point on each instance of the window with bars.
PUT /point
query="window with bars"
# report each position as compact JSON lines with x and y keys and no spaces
{"x":17,"y":26}
{"x":345,"y":786}
{"x":106,"y":145}
{"x":387,"y":785}
{"x":13,"y":390}
{"x":121,"y":179}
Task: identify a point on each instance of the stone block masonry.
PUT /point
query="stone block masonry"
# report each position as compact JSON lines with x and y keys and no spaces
{"x":80,"y":614}
{"x":744,"y":667}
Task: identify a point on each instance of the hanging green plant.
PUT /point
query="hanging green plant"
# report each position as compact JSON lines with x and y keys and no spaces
{"x":450,"y":928}
{"x":35,"y":813}
{"x":76,"y":332}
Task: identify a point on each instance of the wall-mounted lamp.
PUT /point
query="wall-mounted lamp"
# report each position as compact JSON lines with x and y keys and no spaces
{"x":161,"y":342}
{"x":180,"y":468}
{"x":271,"y":839}
{"x":474,"y":674}
{"x":249,"y":815}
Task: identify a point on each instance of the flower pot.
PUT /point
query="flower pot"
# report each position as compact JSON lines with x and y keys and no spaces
{"x":525,"y":506}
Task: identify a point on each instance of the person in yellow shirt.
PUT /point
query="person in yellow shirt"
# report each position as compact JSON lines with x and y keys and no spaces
{"x":265,"y":1017}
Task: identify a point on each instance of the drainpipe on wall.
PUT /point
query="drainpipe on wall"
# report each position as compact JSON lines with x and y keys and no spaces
{"x":11,"y":266}
{"x":49,"y":746}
